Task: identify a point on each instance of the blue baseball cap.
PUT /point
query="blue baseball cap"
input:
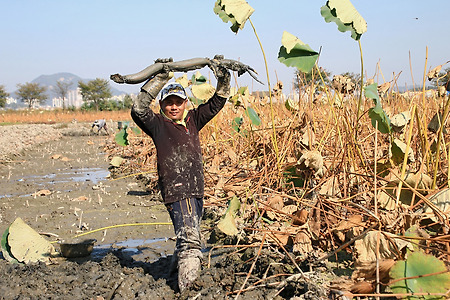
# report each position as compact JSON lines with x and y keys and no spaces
{"x":173,"y":88}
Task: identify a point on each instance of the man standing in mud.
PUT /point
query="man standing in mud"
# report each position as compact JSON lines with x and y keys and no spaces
{"x":175,"y":133}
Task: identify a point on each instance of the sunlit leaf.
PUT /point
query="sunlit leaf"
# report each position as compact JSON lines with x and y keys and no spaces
{"x":27,"y":245}
{"x":236,"y":100}
{"x":417,"y":265}
{"x":400,"y":120}
{"x":295,"y":53}
{"x":377,"y":114}
{"x":442,"y":201}
{"x":121,"y":137}
{"x":235,"y":11}
{"x":387,"y":197}
{"x":228,"y":223}
{"x":434,"y":73}
{"x":116,"y":161}
{"x":251,"y":113}
{"x":183,"y":80}
{"x":312,"y":160}
{"x":203,"y":91}
{"x":346,"y":17}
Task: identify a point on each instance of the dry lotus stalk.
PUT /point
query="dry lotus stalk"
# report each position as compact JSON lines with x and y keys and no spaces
{"x":232,"y":155}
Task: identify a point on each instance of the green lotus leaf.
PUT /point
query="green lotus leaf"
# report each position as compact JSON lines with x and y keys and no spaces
{"x":295,"y":53}
{"x":251,"y":113}
{"x":6,"y":249}
{"x":236,"y":124}
{"x":291,"y":105}
{"x":121,"y":137}
{"x":418,"y":265}
{"x":371,"y":91}
{"x":377,"y":114}
{"x":136,"y":130}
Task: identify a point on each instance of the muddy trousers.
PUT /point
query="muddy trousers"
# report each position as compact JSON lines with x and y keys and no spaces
{"x":186,"y":216}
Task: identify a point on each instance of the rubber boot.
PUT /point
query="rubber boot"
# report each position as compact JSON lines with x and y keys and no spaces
{"x":188,"y":268}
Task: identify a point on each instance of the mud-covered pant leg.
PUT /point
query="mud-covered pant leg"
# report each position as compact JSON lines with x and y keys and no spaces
{"x":186,"y":216}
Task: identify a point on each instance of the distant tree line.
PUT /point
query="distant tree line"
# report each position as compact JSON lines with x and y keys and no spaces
{"x":96,"y":95}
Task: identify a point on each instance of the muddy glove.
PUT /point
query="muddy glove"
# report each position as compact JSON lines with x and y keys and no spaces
{"x":223,"y":77}
{"x":223,"y":83}
{"x":150,"y":90}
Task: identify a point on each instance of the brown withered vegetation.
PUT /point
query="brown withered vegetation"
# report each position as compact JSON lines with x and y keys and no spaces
{"x":321,"y":185}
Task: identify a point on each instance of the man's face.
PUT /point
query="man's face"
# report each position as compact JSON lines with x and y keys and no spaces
{"x":174,"y":107}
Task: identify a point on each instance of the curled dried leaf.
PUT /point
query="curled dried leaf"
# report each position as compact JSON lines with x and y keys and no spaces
{"x":300,"y":217}
{"x":302,"y":244}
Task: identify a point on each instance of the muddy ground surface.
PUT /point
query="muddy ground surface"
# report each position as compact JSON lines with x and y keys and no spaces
{"x":56,"y":178}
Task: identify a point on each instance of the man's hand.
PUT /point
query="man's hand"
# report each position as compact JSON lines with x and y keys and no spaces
{"x":223,"y":77}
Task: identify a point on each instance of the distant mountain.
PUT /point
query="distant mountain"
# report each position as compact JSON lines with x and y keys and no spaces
{"x":50,"y":80}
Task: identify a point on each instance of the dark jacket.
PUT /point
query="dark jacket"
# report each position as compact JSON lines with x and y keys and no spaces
{"x":179,"y":155}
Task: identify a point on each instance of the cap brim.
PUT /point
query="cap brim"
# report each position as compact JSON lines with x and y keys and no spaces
{"x":184,"y":97}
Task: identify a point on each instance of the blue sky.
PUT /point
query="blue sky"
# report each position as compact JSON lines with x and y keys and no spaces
{"x":97,"y":38}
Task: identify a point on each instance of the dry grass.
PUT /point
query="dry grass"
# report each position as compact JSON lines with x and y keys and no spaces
{"x":59,"y":116}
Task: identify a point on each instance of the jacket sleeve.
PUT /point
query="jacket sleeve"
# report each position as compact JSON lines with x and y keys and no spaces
{"x":142,"y":114}
{"x":206,"y":111}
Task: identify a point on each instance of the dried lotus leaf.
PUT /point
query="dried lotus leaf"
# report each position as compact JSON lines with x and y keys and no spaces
{"x":27,"y":245}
